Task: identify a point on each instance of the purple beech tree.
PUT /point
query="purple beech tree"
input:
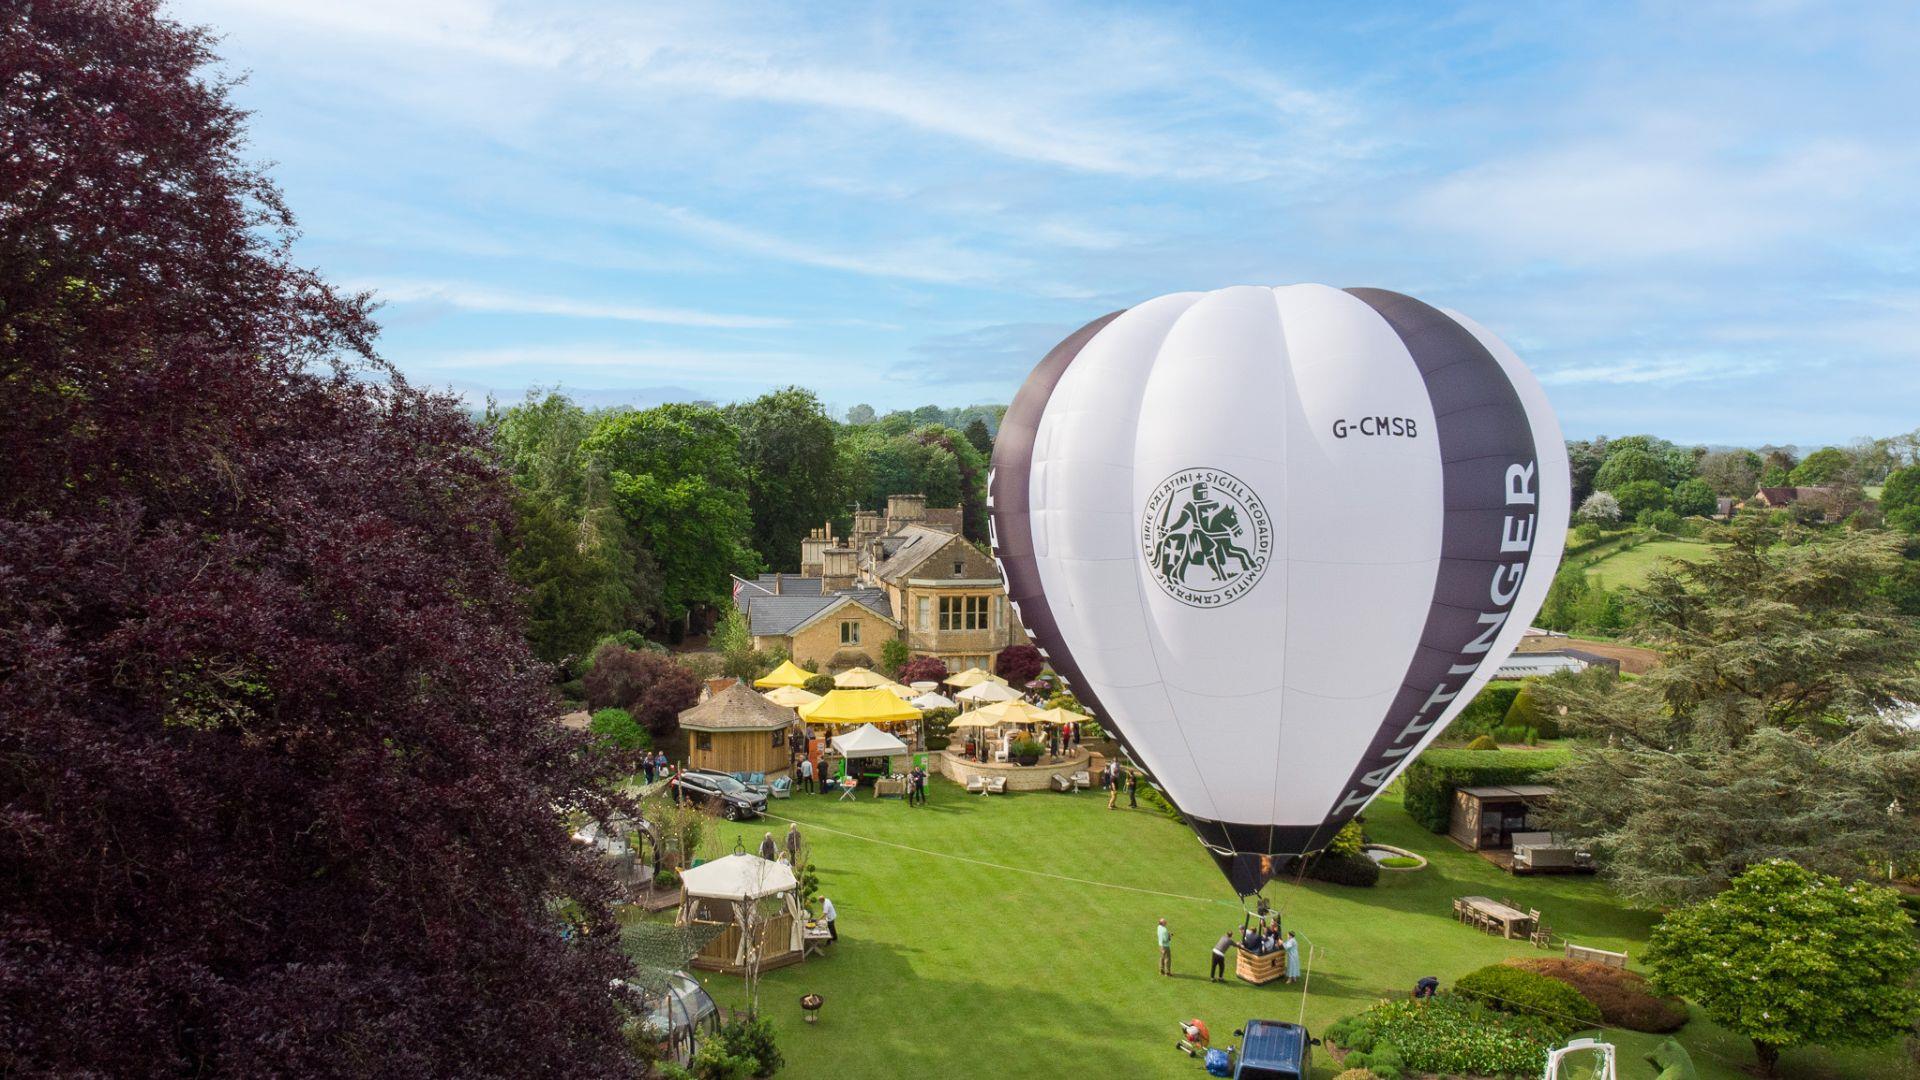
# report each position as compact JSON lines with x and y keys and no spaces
{"x":277,"y":778}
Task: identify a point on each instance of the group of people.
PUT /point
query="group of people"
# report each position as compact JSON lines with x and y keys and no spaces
{"x":654,"y":765}
{"x":1114,"y":778}
{"x":1260,"y":938}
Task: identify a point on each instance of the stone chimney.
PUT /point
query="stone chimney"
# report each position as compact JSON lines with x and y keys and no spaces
{"x":905,"y":510}
{"x":778,"y":577}
{"x":866,"y":525}
{"x":812,"y":560}
{"x":837,"y":570}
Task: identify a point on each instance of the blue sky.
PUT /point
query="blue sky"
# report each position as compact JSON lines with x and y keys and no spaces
{"x":1699,"y":219}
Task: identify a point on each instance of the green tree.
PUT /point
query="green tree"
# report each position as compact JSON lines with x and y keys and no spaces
{"x":1900,"y":498}
{"x":1821,"y":467}
{"x":575,"y":590}
{"x":1786,"y":957}
{"x":894,"y":655}
{"x":618,"y":730}
{"x":1733,"y":473}
{"x":1761,"y":733}
{"x":1629,"y":464}
{"x":1695,"y":497}
{"x":978,"y":435}
{"x":860,"y":415}
{"x":793,"y":472}
{"x":878,"y":464}
{"x":540,"y":443}
{"x":678,"y":483}
{"x":1640,"y":495}
{"x":1774,"y":476}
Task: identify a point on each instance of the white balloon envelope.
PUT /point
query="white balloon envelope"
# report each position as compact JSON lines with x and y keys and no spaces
{"x":1279,"y":537}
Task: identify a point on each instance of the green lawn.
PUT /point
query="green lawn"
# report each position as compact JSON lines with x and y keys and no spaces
{"x":947,"y":966}
{"x":1629,"y":568}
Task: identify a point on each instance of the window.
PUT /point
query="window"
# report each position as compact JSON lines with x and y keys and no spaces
{"x":850,"y":632}
{"x":703,"y":740}
{"x":963,"y":612}
{"x":926,"y":613}
{"x":959,"y":568}
{"x":779,"y":740}
{"x":999,"y":613}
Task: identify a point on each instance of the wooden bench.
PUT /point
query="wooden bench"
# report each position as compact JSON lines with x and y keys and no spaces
{"x":1597,"y":956}
{"x":1260,"y":969}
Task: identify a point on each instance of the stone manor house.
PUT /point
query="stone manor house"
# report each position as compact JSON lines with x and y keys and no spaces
{"x":904,"y":574}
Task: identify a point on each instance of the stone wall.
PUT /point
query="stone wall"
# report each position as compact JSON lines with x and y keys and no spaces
{"x":959,"y":769}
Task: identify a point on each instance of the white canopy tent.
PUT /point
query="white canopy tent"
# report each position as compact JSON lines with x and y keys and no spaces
{"x":930,"y":701}
{"x":868,"y":741}
{"x":738,"y":877}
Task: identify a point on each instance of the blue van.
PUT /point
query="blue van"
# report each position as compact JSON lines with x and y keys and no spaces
{"x":1271,"y":1050}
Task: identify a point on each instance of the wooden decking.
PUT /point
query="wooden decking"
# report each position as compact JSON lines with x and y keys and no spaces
{"x":1503,"y":858}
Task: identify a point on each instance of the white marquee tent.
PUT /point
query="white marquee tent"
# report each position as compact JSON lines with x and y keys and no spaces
{"x":868,"y":741}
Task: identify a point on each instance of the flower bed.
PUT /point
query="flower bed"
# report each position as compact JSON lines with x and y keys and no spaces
{"x":1446,"y":1035}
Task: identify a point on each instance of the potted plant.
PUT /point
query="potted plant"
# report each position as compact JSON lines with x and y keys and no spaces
{"x":1027,"y":751}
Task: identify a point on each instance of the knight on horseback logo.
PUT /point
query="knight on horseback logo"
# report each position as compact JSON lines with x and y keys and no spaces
{"x":1206,"y":537}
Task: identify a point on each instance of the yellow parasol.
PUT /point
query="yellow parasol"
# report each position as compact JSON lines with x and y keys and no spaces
{"x":787,"y":674}
{"x":972,"y":719}
{"x":904,"y":693}
{"x":860,"y":679}
{"x":988,"y":692}
{"x":870,"y":706}
{"x":1008,"y":712}
{"x":1058,"y":717}
{"x":973,"y":677}
{"x":791,"y":696}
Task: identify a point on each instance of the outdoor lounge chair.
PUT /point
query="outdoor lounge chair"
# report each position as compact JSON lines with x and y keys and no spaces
{"x":1081,"y":780}
{"x":781,"y":788}
{"x":977,"y":785}
{"x":755,"y":781}
{"x":997,"y":785}
{"x":1061,"y":783}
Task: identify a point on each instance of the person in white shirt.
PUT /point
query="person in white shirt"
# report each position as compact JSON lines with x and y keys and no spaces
{"x":827,"y":913}
{"x":806,"y":775}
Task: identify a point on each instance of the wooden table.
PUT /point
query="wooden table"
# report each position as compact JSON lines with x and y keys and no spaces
{"x":813,"y":936}
{"x":1510,"y":919}
{"x":884,"y":788}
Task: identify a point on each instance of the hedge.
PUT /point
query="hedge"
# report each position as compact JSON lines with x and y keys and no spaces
{"x":1488,"y":709}
{"x":1515,"y":990}
{"x":1524,"y":713}
{"x":1430,"y":781}
{"x":1624,"y":998}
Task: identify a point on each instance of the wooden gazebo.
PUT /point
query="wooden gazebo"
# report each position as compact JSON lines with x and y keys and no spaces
{"x":738,"y":730}
{"x":756,"y":905}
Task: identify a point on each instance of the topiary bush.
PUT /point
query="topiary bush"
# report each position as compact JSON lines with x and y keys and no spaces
{"x":1624,"y":998}
{"x":1487,"y":710}
{"x":819,"y":684}
{"x":616,"y":729}
{"x":1525,"y":713}
{"x":1516,"y":990}
{"x":1483,"y":742}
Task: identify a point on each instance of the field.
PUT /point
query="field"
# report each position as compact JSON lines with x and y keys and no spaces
{"x":1013,"y":936}
{"x":1629,"y":568}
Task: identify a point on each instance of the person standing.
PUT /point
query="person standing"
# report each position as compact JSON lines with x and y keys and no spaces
{"x":1113,"y":792}
{"x":646,"y":766}
{"x":1165,"y":937}
{"x":1133,"y":783}
{"x":827,"y":913}
{"x":1217,"y":972}
{"x":768,"y":849}
{"x":793,"y":842}
{"x":660,"y":762}
{"x":1293,"y":957}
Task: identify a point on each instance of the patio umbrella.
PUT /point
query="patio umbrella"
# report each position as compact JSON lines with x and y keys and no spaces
{"x":1058,"y":717}
{"x":871,"y":706}
{"x":971,"y":720}
{"x":1009,"y":712}
{"x":931,"y":701}
{"x":904,"y":693}
{"x":973,"y":677}
{"x":787,"y":674}
{"x":986,"y":693}
{"x":925,"y":686}
{"x":860,"y":679}
{"x":791,"y":696}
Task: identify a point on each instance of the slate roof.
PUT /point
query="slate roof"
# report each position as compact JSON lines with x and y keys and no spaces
{"x":778,"y":616}
{"x":917,"y":545}
{"x":790,"y":585}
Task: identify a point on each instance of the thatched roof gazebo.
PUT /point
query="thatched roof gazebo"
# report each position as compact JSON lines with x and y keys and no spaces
{"x":738,"y":730}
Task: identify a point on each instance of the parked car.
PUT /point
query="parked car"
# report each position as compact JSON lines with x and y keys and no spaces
{"x":1272,"y":1050}
{"x":719,"y":793}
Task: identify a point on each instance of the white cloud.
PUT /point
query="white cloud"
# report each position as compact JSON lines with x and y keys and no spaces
{"x":1665,"y":370}
{"x":469,"y":297}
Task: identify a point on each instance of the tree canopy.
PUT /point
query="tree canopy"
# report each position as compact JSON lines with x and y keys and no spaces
{"x":1786,"y":956}
{"x":1781,"y":661}
{"x":794,"y":476}
{"x":278,"y":771}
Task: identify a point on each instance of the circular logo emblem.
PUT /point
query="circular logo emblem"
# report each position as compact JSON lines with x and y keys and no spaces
{"x":1206,"y":537}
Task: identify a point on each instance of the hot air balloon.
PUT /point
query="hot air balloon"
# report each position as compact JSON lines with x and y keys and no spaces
{"x":1277,"y":538}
